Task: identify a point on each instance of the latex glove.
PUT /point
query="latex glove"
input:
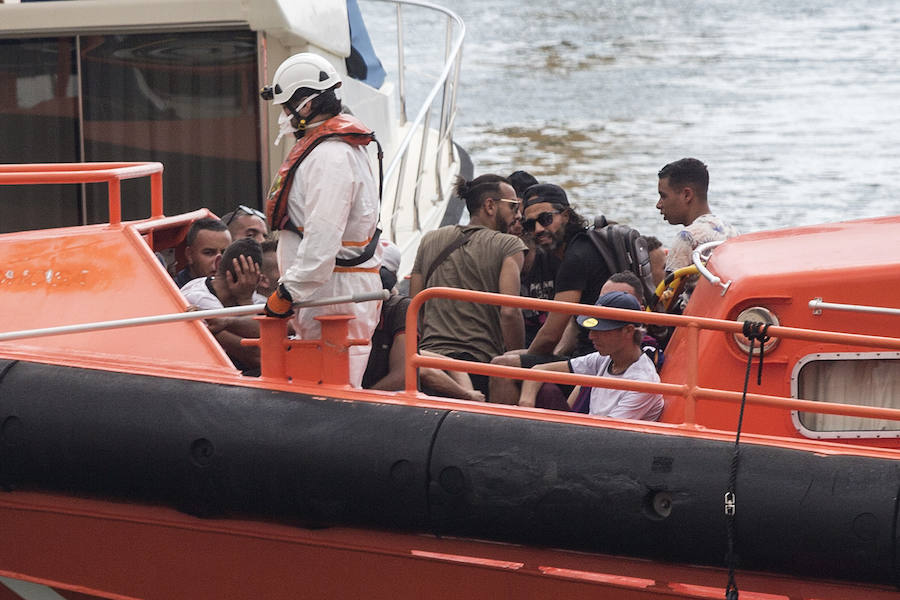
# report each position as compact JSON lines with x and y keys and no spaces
{"x":280,"y":303}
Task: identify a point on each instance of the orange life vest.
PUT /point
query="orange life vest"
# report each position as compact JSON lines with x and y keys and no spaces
{"x":343,"y":127}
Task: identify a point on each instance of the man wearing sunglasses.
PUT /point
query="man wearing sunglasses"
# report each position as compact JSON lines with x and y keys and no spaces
{"x":480,"y":256}
{"x":246,"y":222}
{"x":552,"y":224}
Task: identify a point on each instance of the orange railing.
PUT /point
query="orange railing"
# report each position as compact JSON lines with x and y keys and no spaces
{"x":111,"y":173}
{"x":689,"y":390}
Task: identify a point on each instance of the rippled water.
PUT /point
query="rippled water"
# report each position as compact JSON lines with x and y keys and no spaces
{"x":794,"y":106}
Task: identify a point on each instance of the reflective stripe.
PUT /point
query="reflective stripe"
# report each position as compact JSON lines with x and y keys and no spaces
{"x":352,"y":244}
{"x":357,"y":269}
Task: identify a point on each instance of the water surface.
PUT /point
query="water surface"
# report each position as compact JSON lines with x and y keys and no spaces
{"x":795,"y":107}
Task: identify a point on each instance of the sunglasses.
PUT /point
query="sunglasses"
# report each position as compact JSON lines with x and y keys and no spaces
{"x":247,"y":211}
{"x":515,"y":203}
{"x":545,"y":218}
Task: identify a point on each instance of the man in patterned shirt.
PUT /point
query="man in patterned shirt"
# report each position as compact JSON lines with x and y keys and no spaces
{"x":683,"y":185}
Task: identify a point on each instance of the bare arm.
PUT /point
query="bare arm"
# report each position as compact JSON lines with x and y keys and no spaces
{"x":569,"y":339}
{"x":530,"y":388}
{"x":416,"y":284}
{"x":395,"y":377}
{"x":231,"y":343}
{"x":245,"y":327}
{"x":436,"y":380}
{"x":552,"y":330}
{"x":511,"y":318}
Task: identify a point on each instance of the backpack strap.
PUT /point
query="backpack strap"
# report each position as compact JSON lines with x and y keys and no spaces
{"x":459,"y":242}
{"x":600,"y":239}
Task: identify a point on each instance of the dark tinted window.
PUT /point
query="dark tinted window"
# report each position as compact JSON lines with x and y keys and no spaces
{"x":38,"y":124}
{"x":187,"y":100}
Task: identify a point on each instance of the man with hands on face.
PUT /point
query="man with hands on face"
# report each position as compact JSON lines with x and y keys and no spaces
{"x":234,"y":284}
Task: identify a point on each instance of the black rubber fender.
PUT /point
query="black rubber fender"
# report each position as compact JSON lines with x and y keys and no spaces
{"x":662,"y":497}
{"x":213,"y":449}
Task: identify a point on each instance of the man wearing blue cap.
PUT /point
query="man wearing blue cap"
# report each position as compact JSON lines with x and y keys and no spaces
{"x":619,"y":354}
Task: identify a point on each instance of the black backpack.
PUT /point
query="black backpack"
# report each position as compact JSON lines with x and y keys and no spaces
{"x":623,"y":248}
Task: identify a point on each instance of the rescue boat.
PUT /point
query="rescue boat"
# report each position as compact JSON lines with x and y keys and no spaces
{"x":137,"y":462}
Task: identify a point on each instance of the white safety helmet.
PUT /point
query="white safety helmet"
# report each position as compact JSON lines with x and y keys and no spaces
{"x":304,"y":70}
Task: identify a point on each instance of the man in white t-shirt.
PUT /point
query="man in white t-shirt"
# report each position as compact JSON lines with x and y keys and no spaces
{"x":234,"y":284}
{"x":619,"y":354}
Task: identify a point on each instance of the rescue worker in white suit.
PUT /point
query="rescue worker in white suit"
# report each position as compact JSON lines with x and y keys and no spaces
{"x":325,"y":201}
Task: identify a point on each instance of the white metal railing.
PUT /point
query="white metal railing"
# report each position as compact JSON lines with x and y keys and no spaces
{"x":446,"y":85}
{"x":701,"y":255}
{"x":817,"y":305}
{"x":192,"y":315}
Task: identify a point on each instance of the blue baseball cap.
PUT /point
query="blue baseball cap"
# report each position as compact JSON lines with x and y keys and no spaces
{"x":610,"y":300}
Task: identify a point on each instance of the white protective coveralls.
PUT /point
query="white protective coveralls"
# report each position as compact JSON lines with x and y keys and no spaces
{"x":334,"y":201}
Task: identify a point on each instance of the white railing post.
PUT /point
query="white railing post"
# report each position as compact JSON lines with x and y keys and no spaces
{"x":401,"y":63}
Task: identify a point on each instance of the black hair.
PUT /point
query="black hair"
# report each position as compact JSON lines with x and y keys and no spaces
{"x":269,"y":246}
{"x":243,"y":247}
{"x":652,"y":243}
{"x":576,"y":223}
{"x":326,"y":103}
{"x":204,"y":224}
{"x":630,"y":279}
{"x":687,"y":172}
{"x":521,"y":181}
{"x":476,"y":191}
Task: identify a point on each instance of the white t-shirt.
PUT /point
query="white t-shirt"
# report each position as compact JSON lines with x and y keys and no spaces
{"x":197,"y":293}
{"x":621,"y":404}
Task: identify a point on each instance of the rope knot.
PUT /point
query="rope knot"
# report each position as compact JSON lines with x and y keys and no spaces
{"x":757,"y":331}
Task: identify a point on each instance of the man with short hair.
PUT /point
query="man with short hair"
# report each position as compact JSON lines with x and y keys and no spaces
{"x":205,"y":242}
{"x":618,"y":354}
{"x":246,"y":222}
{"x":234,"y":284}
{"x":479,"y":256}
{"x":683,"y":186}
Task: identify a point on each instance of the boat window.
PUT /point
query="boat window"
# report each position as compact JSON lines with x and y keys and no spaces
{"x":185,"y":99}
{"x":865,"y":379}
{"x":38,"y":124}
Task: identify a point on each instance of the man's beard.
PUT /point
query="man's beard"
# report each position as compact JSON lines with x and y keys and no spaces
{"x":499,"y":224}
{"x":556,"y":239}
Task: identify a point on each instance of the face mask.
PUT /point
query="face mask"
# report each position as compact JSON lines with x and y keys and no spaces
{"x":284,"y":127}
